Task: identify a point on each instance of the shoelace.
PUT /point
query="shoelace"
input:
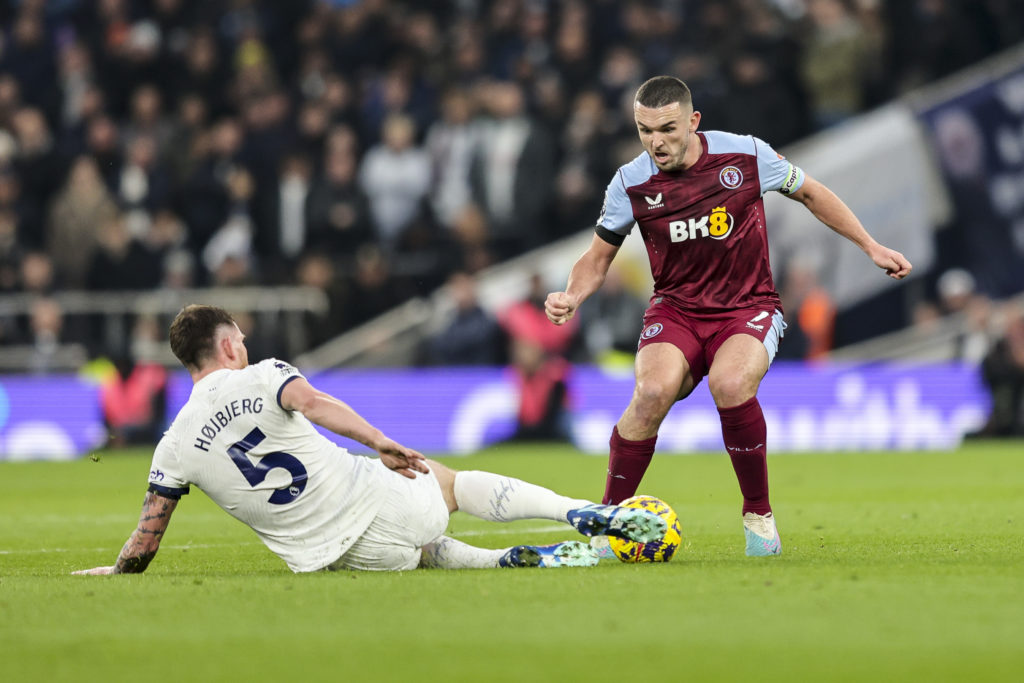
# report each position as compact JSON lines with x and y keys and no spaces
{"x":761,"y":526}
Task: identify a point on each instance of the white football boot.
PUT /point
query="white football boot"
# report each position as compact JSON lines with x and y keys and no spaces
{"x":762,"y":536}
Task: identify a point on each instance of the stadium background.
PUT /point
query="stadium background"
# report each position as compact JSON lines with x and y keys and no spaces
{"x":314,"y":165}
{"x":156,"y":153}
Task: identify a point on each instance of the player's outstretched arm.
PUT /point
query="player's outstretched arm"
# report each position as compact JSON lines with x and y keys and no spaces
{"x":140,"y":548}
{"x":328,"y":412}
{"x":830,"y":210}
{"x":585,"y":278}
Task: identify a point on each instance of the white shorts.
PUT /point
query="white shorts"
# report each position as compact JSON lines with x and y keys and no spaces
{"x":413,"y":514}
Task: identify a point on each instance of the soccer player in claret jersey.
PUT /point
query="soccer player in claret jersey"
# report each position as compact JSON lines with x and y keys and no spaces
{"x":715,"y":312}
{"x":245,"y":438}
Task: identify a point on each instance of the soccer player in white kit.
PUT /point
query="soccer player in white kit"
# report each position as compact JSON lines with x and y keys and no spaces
{"x":246,"y":438}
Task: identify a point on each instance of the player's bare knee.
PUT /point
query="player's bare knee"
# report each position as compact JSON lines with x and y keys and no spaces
{"x":731,"y":390}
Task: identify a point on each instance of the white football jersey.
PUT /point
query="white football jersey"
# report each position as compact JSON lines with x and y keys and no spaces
{"x":306,"y":497}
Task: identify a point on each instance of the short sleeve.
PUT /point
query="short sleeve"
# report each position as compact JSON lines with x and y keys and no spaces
{"x":275,"y":375}
{"x":775,"y":171}
{"x":166,"y":475}
{"x":617,"y":211}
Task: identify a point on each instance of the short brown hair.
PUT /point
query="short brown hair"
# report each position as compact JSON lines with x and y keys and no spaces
{"x":193,"y":332}
{"x":661,"y":91}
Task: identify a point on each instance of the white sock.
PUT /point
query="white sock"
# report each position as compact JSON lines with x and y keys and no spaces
{"x":447,"y":553}
{"x":502,"y":499}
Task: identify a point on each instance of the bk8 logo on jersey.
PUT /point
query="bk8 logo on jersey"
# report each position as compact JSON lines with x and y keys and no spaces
{"x":717,"y":226}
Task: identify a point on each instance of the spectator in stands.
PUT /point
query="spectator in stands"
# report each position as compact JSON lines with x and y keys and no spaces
{"x":612,"y":327}
{"x":46,"y":322}
{"x":451,"y":143}
{"x":103,"y":145}
{"x":512,"y":172}
{"x":228,"y":254}
{"x":317,"y":270}
{"x":38,"y":274}
{"x":584,"y":169}
{"x":757,"y":105}
{"x":285,"y":233}
{"x":1003,"y":372}
{"x":812,"y":313}
{"x":372,"y":289}
{"x":338,"y":210}
{"x":539,"y":365}
{"x":216,"y":87}
{"x":11,"y":254}
{"x":957,"y":294}
{"x":948,"y":35}
{"x":835,"y":64}
{"x":204,"y":203}
{"x":81,"y":96}
{"x":120,"y":262}
{"x":36,"y":162}
{"x":471,"y":336}
{"x":471,"y":234}
{"x":28,"y":216}
{"x":134,"y":396}
{"x":396,"y":177}
{"x":188,"y":137}
{"x":143,"y":185}
{"x":147,"y":118}
{"x":28,"y":55}
{"x":179,"y":270}
{"x":79,"y":209}
{"x":165,"y":235}
{"x":541,"y":381}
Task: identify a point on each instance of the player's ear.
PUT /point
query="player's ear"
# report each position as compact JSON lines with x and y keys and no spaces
{"x":227,"y":349}
{"x":694,"y":121}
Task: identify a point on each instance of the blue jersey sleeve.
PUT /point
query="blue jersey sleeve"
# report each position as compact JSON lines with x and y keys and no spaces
{"x":775,"y":171}
{"x":617,"y":212}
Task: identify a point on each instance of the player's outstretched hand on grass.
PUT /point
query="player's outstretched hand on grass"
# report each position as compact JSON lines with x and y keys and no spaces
{"x":891,"y":261}
{"x":559,"y":307}
{"x":95,"y":571}
{"x":403,"y":460}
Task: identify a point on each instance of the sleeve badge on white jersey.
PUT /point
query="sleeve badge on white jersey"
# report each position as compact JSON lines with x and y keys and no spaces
{"x":285,"y":369}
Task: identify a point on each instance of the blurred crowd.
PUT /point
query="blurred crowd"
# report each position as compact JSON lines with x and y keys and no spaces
{"x":372,"y":149}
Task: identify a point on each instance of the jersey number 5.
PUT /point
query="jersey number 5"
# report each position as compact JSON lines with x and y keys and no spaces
{"x":255,"y":474}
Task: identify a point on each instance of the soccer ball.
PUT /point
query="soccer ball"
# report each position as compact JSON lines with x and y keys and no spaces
{"x":655,"y":551}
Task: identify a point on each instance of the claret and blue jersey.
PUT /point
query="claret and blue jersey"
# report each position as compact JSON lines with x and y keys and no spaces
{"x":704,"y":227}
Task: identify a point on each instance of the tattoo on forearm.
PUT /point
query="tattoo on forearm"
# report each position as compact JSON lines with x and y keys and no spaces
{"x":141,"y":546}
{"x":133,"y":565}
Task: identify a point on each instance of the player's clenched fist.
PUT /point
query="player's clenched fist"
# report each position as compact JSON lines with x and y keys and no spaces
{"x":559,"y":307}
{"x":891,"y":261}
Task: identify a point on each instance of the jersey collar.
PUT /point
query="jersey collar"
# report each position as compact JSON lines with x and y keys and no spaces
{"x":208,"y":382}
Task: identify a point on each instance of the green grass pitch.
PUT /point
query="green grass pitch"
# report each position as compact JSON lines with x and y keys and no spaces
{"x":896,"y":567}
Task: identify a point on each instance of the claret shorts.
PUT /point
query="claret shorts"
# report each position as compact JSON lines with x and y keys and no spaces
{"x":700,"y":336}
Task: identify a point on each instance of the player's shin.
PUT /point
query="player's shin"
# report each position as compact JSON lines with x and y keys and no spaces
{"x":497,"y":498}
{"x":447,"y":553}
{"x":744,"y":433}
{"x":627,"y":463}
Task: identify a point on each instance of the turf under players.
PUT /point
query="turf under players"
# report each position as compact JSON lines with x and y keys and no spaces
{"x":715,"y":311}
{"x":245,"y":437}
